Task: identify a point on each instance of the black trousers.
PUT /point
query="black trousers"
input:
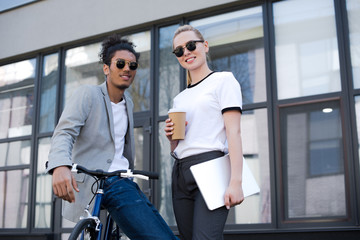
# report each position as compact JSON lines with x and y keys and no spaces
{"x":194,"y":220}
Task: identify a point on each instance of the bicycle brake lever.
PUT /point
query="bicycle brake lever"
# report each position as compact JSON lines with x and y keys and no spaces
{"x":130,"y":174}
{"x":74,"y":168}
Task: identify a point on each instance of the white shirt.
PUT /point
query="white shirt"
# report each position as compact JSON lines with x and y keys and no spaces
{"x":120,"y":127}
{"x":204,"y":103}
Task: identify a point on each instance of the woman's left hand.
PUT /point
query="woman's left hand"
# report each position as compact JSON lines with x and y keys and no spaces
{"x":234,"y":195}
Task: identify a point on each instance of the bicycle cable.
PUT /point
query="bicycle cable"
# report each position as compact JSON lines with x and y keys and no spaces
{"x":92,"y":188}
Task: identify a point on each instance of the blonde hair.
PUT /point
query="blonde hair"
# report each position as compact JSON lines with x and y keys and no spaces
{"x":186,"y":28}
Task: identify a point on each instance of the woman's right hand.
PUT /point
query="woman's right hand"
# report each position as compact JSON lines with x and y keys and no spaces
{"x":169,"y":128}
{"x":169,"y":132}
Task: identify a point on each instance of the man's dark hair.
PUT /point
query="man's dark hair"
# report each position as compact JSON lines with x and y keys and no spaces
{"x":115,"y":43}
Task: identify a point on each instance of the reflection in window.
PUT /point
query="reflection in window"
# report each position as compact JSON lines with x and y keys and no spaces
{"x":169,"y":70}
{"x":14,"y":187}
{"x":314,"y":183}
{"x":254,"y":131}
{"x":357,"y":109}
{"x":43,"y":187}
{"x":50,"y":78}
{"x":140,"y":88}
{"x":15,"y":153}
{"x":307,"y":61}
{"x":139,"y":156}
{"x":82,"y":67}
{"x":166,"y":164}
{"x":325,"y":151}
{"x":17,"y":98}
{"x":236,"y":45}
{"x":16,"y":73}
{"x":353,"y":8}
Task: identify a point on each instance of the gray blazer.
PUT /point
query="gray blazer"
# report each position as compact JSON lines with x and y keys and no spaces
{"x":85,"y":135}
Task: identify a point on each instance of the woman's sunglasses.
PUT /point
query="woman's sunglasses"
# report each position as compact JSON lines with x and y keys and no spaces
{"x":191,"y":46}
{"x":120,"y":64}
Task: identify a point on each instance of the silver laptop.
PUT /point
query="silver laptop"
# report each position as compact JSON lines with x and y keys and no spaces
{"x":212,"y":178}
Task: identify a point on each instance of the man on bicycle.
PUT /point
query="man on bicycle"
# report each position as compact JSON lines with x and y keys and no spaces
{"x":96,"y":130}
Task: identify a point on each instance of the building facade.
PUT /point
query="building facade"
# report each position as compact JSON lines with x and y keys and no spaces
{"x":298,"y":64}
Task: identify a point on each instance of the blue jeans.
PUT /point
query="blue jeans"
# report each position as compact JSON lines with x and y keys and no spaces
{"x":133,"y":212}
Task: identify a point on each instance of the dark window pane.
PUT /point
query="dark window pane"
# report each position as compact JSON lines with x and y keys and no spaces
{"x":311,"y":151}
{"x":50,"y":78}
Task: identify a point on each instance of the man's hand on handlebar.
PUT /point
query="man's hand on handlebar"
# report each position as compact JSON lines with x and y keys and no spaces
{"x":64,"y":183}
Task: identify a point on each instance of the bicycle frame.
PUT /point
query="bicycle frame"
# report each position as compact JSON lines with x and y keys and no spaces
{"x":93,"y":218}
{"x":96,"y":214}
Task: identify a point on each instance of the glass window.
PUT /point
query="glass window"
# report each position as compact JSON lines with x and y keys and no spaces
{"x":353,"y":8}
{"x":236,"y":44}
{"x":357,"y":109}
{"x":82,"y":67}
{"x":14,"y":184}
{"x":307,"y":58}
{"x":43,"y":187}
{"x":166,"y":165}
{"x":140,"y":164}
{"x":15,"y":153}
{"x":169,"y":70}
{"x":17,"y":98}
{"x":325,"y":151}
{"x":50,"y":79}
{"x":312,"y":160}
{"x":14,"y":187}
{"x":140,"y":88}
{"x":254,"y":131}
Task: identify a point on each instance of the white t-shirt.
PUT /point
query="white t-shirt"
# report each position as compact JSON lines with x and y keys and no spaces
{"x":120,"y":128}
{"x":204,"y":104}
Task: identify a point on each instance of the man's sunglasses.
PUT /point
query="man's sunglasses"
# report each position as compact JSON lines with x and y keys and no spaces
{"x":191,"y":46}
{"x":120,"y":64}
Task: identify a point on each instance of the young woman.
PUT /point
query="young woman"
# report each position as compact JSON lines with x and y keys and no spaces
{"x":213,"y":104}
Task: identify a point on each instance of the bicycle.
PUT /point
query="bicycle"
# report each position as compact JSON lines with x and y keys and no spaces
{"x":90,"y":227}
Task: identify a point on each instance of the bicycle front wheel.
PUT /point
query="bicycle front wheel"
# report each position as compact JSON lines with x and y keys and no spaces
{"x":84,"y":229}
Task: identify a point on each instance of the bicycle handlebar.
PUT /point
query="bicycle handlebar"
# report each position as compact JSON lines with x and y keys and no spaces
{"x":122,"y":173}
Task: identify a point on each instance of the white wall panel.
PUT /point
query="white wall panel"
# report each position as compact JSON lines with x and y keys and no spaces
{"x":51,"y":22}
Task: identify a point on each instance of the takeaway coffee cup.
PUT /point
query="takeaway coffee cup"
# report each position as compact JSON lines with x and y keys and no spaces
{"x":178,"y":117}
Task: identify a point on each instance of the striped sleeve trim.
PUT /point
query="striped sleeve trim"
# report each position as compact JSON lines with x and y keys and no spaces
{"x":231,"y":108}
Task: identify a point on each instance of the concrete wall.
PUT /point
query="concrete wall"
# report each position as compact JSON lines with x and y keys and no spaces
{"x":52,"y":22}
